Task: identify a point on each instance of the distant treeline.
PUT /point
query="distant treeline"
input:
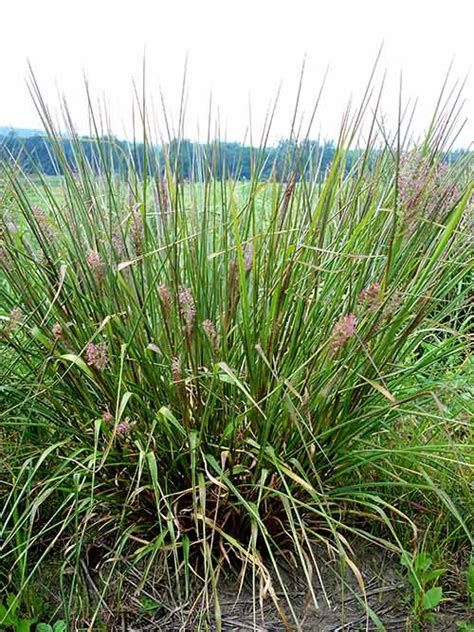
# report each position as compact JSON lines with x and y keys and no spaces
{"x":41,"y":154}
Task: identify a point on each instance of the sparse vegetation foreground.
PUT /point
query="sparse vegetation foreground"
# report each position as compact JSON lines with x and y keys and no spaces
{"x":209,"y":382}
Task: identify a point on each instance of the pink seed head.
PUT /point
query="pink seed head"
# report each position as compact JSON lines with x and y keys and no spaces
{"x":344,"y":329}
{"x":211,"y":333}
{"x":107,"y":416}
{"x":43,"y":222}
{"x":124,"y":427}
{"x":96,"y":355}
{"x":371,"y":296}
{"x":94,"y":262}
{"x":187,"y":307}
{"x":57,"y":331}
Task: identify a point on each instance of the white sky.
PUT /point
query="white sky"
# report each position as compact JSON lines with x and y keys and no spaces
{"x":237,"y":49}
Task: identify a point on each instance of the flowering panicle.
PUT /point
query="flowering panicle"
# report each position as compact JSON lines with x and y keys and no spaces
{"x":124,"y":427}
{"x":107,"y":416}
{"x":95,"y":263}
{"x":57,"y":331}
{"x":164,"y":194}
{"x":176,"y":371}
{"x":211,"y":333}
{"x":16,"y":317}
{"x":96,"y":355}
{"x":43,"y":223}
{"x":371,"y":296}
{"x":166,"y":299}
{"x":187,"y":308}
{"x":344,"y":329}
{"x":5,"y":261}
{"x":392,"y":306}
{"x":136,"y":227}
{"x":424,"y":190}
{"x":248,"y":257}
{"x":289,"y":190}
{"x":118,"y":244}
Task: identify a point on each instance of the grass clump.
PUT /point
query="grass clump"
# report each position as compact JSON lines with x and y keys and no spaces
{"x":209,"y":376}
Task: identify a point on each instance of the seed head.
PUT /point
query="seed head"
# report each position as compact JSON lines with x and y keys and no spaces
{"x":166,"y":299}
{"x":248,"y":257}
{"x":211,"y":333}
{"x":392,"y":306}
{"x":425,"y":190}
{"x":176,"y":372}
{"x":57,"y":331}
{"x":96,"y":355}
{"x":124,"y":427}
{"x":16,"y":315}
{"x":96,"y":265}
{"x":164,"y":194}
{"x":137,"y":227}
{"x":43,"y":223}
{"x":5,"y":260}
{"x":107,"y":416}
{"x":118,"y":244}
{"x":370,"y":296}
{"x":343,"y":330}
{"x":187,"y":307}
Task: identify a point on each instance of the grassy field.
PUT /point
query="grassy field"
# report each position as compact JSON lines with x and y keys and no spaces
{"x":213,"y":383}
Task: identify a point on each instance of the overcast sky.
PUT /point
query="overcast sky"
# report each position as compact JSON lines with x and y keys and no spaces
{"x":239,"y":50}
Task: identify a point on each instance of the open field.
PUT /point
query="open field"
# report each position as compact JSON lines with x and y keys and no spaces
{"x":260,"y":392}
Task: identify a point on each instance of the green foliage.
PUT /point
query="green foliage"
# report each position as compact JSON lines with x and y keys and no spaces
{"x":198,"y":375}
{"x":422,"y":576}
{"x":470,"y":580}
{"x":10,"y":617}
{"x":59,"y":626}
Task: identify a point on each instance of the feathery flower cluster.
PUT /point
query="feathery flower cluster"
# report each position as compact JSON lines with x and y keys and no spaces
{"x":166,"y":299}
{"x":124,"y":427}
{"x":343,"y":330}
{"x":16,"y":317}
{"x":187,"y":307}
{"x":137,"y":227}
{"x":424,"y":190}
{"x":96,"y":265}
{"x":211,"y":333}
{"x":164,"y":194}
{"x":118,"y":244}
{"x":176,"y":371}
{"x":371,"y":296}
{"x":43,"y":222}
{"x":57,"y":331}
{"x":248,"y":257}
{"x":392,"y":306}
{"x":96,"y":355}
{"x":107,"y":416}
{"x":4,"y":259}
